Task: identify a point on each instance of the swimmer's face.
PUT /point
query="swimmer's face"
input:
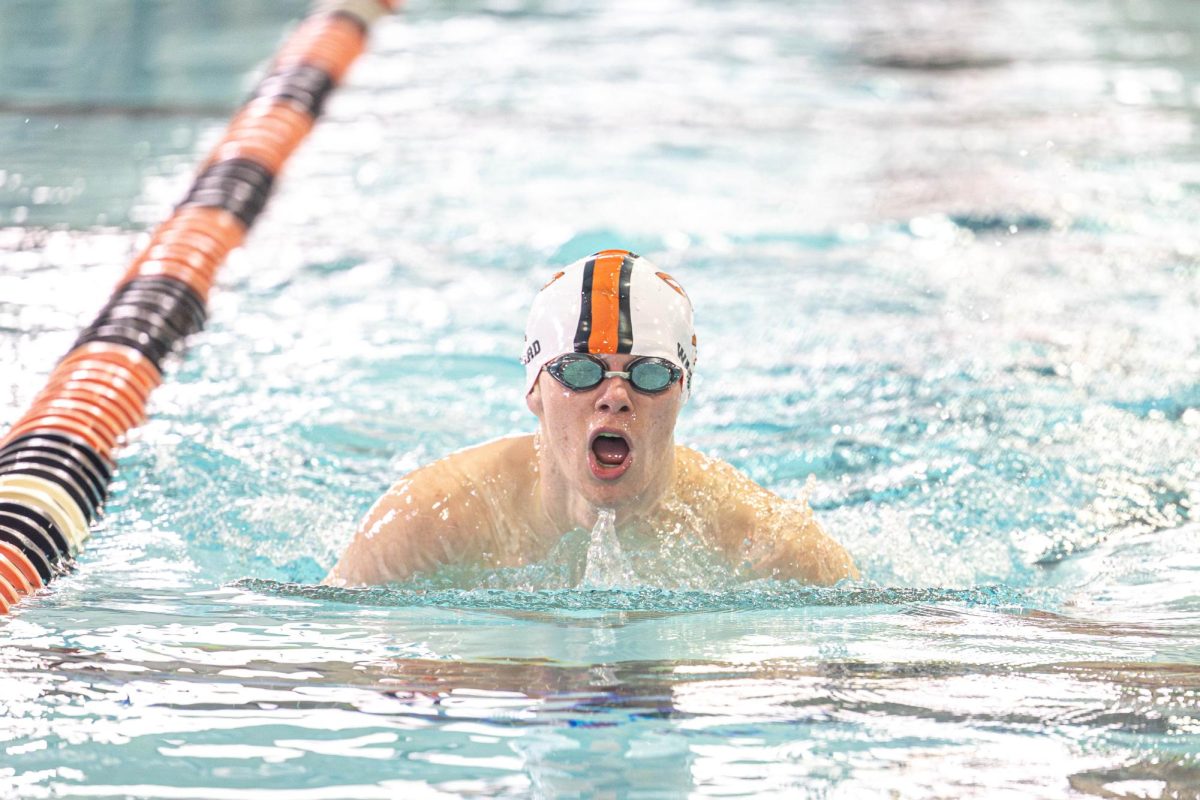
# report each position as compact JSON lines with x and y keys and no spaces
{"x":610,"y":446}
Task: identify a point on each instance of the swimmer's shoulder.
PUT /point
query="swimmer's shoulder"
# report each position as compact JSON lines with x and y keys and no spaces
{"x":732,"y":502}
{"x":441,"y":512}
{"x":701,"y":472}
{"x":779,"y":538}
{"x":741,"y":502}
{"x":508,"y":458}
{"x":491,"y":472}
{"x":454,"y":479}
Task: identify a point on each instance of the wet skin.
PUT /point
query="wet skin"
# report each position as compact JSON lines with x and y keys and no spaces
{"x":575,"y":485}
{"x":508,"y":502}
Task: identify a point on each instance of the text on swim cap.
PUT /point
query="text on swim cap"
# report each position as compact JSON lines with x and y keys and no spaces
{"x":687,"y":364}
{"x":534,"y":348}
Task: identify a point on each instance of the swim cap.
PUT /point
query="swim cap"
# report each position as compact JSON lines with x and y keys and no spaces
{"x":613,"y":301}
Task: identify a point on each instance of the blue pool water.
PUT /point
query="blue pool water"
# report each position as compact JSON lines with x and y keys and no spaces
{"x":944,"y":258}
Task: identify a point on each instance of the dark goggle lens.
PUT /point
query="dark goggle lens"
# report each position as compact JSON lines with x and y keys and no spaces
{"x":579,"y":373}
{"x":651,"y":376}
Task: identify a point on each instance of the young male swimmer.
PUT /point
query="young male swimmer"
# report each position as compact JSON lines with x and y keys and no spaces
{"x":610,"y":352}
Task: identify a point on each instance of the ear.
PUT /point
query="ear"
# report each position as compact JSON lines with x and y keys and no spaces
{"x":533,"y":400}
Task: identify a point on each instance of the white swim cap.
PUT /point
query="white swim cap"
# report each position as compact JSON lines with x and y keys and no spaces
{"x":611,"y":302}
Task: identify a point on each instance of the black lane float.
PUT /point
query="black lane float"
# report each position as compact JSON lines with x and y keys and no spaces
{"x":56,"y":461}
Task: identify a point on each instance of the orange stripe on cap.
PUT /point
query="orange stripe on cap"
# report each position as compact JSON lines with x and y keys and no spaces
{"x":606,"y":302}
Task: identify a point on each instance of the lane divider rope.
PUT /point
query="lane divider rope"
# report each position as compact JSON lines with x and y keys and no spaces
{"x":56,"y":461}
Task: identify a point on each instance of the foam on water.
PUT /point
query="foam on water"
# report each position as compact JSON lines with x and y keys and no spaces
{"x":765,"y":596}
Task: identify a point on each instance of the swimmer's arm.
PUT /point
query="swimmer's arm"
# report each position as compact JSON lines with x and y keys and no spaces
{"x":788,"y":543}
{"x":778,"y":538}
{"x":408,"y":530}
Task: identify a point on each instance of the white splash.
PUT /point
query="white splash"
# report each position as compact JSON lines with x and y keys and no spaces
{"x":379,"y":523}
{"x":607,"y":567}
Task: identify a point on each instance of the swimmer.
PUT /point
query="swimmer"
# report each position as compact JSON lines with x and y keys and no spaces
{"x":609,"y":357}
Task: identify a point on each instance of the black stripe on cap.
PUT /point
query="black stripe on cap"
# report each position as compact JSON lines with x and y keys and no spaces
{"x":625,"y":323}
{"x":584,"y":330}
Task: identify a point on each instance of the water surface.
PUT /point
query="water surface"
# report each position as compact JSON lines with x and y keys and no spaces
{"x":943,"y":258}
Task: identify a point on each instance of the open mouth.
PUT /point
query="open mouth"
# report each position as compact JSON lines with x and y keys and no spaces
{"x":609,"y":455}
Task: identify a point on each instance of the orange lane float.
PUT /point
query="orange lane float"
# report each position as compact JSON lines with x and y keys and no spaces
{"x":8,"y":593}
{"x":115,"y":395}
{"x":103,"y":373}
{"x":61,"y":424}
{"x":117,"y":354}
{"x":104,"y":418}
{"x":282,"y":118}
{"x":109,"y":386}
{"x":194,"y":257}
{"x":218,"y":223}
{"x":257,"y":151}
{"x":56,"y":460}
{"x":186,"y":242}
{"x":15,"y":576}
{"x":18,"y":560}
{"x":330,"y":42}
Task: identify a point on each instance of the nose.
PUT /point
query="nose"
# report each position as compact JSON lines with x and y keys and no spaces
{"x":614,"y":396}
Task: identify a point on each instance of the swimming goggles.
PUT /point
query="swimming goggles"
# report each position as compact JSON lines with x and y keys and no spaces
{"x":581,"y":371}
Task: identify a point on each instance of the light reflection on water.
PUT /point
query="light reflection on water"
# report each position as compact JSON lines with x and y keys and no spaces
{"x":943,"y":258}
{"x":831,"y":696}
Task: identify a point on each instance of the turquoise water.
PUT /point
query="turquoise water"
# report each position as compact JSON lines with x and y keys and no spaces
{"x":943,"y":257}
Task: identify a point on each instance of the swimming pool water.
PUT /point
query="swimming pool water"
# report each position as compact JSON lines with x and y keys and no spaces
{"x":943,"y":258}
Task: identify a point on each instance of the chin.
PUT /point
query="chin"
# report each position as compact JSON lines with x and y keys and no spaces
{"x":625,"y":493}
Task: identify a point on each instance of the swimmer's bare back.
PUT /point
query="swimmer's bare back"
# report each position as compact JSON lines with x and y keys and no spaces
{"x":483,"y":506}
